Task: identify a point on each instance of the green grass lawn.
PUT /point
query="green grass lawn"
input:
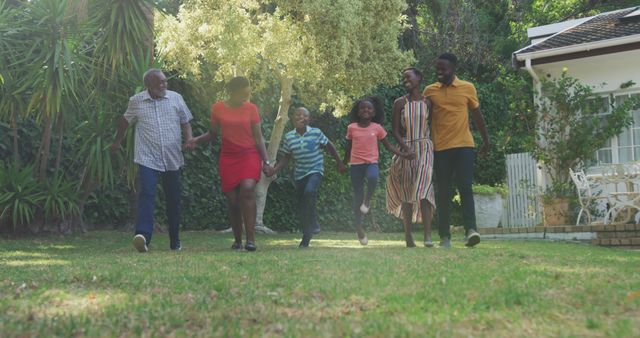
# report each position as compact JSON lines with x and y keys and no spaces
{"x":97,"y":285}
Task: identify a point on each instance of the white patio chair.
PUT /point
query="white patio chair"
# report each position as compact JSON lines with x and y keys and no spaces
{"x":628,"y":200}
{"x":586,"y":195}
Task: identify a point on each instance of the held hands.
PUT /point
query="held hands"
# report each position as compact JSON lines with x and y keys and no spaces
{"x":406,"y":152}
{"x":484,"y":149}
{"x":409,"y":155}
{"x":115,"y":147}
{"x":190,"y":144}
{"x":341,"y":167}
{"x":268,"y":170}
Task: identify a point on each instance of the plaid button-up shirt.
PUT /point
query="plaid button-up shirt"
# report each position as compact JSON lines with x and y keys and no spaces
{"x":158,"y":139}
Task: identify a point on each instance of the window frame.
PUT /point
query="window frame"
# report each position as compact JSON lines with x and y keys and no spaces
{"x":614,"y":141}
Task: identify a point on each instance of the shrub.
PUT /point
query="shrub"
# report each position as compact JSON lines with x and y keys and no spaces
{"x":60,"y":198}
{"x":20,"y":195}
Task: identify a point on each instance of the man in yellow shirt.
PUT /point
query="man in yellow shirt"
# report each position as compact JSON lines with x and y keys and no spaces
{"x":451,"y":100}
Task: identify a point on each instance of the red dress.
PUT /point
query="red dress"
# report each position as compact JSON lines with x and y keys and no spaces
{"x":239,"y":157}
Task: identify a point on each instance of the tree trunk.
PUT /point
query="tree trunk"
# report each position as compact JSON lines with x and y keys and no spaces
{"x":45,"y":148}
{"x":87,"y":186}
{"x":286,"y":89}
{"x":59,"y":133}
{"x":14,"y":128}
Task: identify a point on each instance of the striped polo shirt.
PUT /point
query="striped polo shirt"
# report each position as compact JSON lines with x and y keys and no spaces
{"x":306,"y":151}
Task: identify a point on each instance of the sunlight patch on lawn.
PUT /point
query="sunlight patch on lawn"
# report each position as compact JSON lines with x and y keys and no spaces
{"x":340,"y":243}
{"x":22,"y":254}
{"x":33,"y":262}
{"x":282,"y":242}
{"x":625,"y":259}
{"x":337,"y":243}
{"x":57,"y":302}
{"x":56,"y":247}
{"x":567,"y":269}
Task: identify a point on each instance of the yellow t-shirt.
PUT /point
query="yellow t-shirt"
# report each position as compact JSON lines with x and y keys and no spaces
{"x":450,"y":113}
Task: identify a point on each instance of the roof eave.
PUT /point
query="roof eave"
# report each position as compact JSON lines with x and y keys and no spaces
{"x":576,"y":48}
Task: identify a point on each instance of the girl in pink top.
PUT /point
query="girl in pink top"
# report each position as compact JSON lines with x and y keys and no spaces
{"x":361,"y":152}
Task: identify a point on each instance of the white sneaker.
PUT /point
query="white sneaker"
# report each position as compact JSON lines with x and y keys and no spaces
{"x":364,"y":240}
{"x":364,"y":209}
{"x":140,"y":243}
{"x":428,"y":244}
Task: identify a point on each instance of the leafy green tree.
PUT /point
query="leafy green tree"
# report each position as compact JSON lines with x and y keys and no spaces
{"x":326,"y":51}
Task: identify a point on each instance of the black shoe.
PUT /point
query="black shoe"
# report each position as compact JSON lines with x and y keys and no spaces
{"x":315,"y":231}
{"x":473,"y":238}
{"x":304,"y":244}
{"x":250,"y":246}
{"x":176,"y":247}
{"x":445,"y":243}
{"x":236,"y":246}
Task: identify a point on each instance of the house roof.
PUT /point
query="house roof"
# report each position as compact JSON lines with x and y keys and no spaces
{"x":605,"y":26}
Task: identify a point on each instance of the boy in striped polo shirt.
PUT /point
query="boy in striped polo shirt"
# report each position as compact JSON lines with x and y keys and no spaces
{"x":305,"y":144}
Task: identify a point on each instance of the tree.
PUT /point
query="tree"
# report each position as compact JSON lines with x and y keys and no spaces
{"x":71,"y":63}
{"x":326,"y":51}
{"x":12,"y":101}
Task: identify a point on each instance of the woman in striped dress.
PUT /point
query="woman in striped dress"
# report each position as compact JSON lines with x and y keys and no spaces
{"x":410,"y":192}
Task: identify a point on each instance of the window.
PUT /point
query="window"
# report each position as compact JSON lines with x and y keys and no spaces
{"x":625,"y":147}
{"x":629,"y":139}
{"x":604,"y":155}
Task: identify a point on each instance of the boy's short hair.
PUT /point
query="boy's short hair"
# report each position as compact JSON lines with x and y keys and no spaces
{"x":449,"y":57}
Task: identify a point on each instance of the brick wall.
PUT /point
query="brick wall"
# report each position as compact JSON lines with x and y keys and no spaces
{"x":616,"y":235}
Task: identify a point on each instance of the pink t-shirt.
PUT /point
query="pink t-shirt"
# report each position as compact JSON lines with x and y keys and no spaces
{"x":364,"y":142}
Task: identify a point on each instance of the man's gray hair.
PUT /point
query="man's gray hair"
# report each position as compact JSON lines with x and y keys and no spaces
{"x":302,"y":109}
{"x":148,"y":73}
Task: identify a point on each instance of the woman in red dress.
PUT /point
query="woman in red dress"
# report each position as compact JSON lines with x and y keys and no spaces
{"x":242,"y":156}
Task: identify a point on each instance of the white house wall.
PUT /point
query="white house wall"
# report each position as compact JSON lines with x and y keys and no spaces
{"x":604,"y":72}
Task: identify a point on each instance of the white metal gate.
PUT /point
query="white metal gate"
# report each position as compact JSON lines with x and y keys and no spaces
{"x":523,"y":205}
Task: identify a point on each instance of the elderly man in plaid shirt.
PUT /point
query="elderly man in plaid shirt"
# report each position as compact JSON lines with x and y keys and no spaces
{"x":162,"y":120}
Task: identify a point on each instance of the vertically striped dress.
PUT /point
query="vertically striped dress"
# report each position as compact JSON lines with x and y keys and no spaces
{"x":410,"y":181}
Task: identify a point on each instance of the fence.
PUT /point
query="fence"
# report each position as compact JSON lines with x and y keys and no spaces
{"x":523,"y":204}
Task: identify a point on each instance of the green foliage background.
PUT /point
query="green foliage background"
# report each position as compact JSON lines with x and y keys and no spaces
{"x":491,"y":32}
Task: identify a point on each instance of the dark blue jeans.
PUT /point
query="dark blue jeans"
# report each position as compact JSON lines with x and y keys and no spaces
{"x":147,"y":202}
{"x":454,"y":166}
{"x":307,"y":189}
{"x":360,"y":172}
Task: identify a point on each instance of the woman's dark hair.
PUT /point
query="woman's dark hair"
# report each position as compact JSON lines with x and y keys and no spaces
{"x":236,"y":84}
{"x":415,"y":71}
{"x":378,"y":109}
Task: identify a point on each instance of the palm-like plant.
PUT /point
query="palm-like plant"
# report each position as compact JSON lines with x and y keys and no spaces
{"x":123,"y":52}
{"x":20,"y":195}
{"x":72,"y":63}
{"x":60,"y":198}
{"x":57,"y":61}
{"x":124,"y":46}
{"x":12,"y":101}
